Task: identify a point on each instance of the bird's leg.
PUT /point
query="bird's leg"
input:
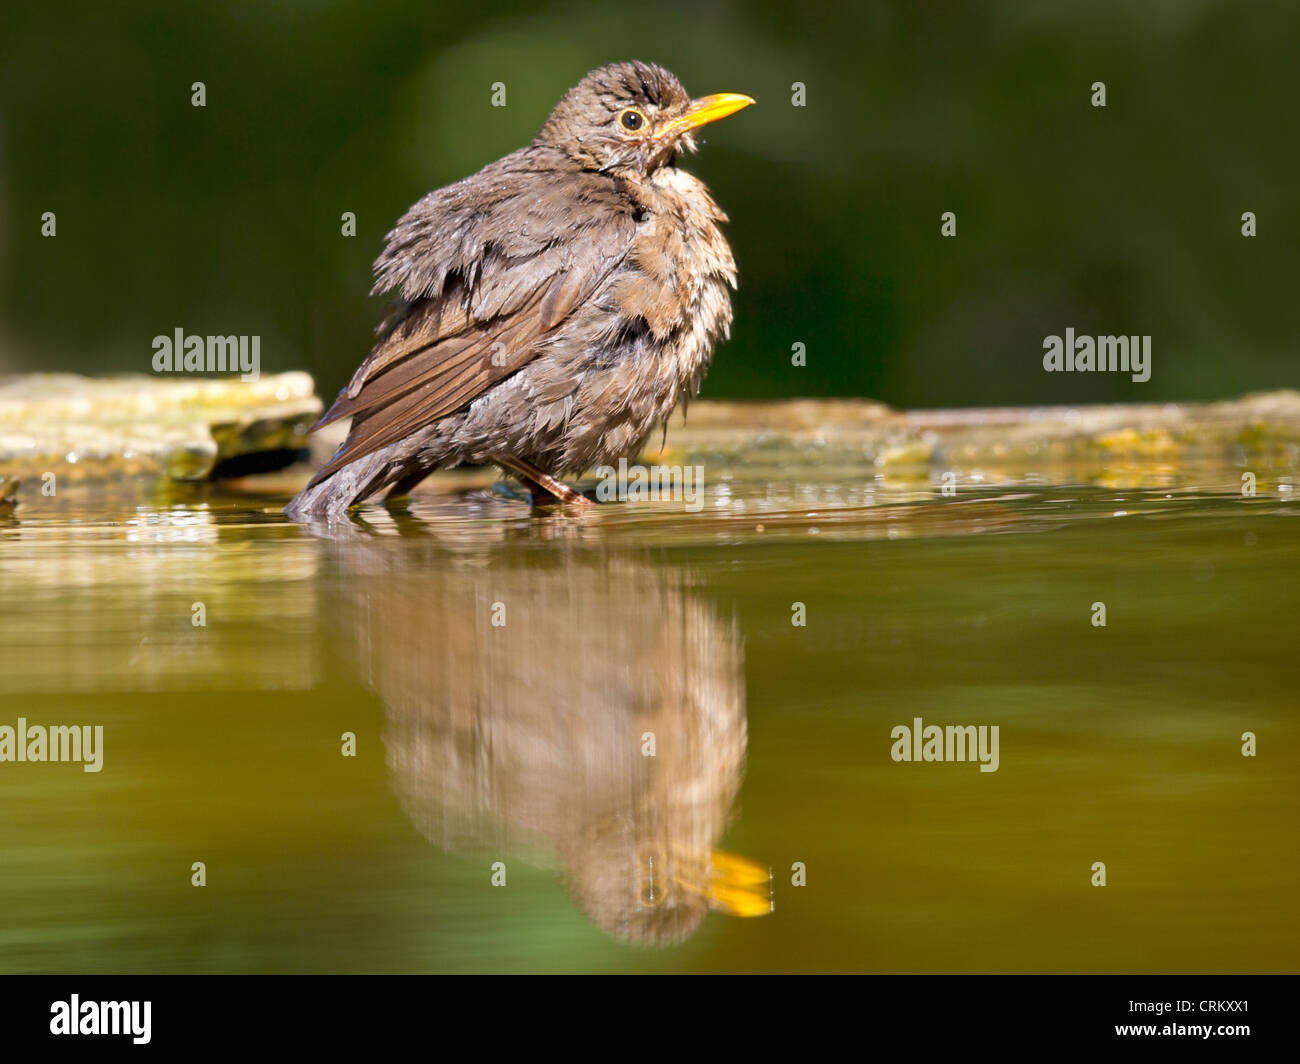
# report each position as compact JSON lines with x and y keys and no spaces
{"x":403,"y":486}
{"x":544,"y":487}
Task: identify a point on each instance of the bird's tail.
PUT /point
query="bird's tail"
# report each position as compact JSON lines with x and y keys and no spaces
{"x":345,"y":487}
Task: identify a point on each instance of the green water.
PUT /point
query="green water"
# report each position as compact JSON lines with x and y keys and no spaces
{"x":521,"y":742}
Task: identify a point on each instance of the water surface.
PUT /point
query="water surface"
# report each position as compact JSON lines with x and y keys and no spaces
{"x":523,"y":742}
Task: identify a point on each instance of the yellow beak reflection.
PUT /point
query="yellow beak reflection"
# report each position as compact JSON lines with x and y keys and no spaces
{"x":738,"y":886}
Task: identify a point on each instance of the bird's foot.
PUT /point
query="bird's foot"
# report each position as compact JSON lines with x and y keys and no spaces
{"x":545,"y":489}
{"x":554,"y":493}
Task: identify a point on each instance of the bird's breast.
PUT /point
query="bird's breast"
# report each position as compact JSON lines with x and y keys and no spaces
{"x":675,"y":281}
{"x":622,"y":363}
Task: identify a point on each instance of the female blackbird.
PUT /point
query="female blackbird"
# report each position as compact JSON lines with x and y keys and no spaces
{"x":551,"y":310}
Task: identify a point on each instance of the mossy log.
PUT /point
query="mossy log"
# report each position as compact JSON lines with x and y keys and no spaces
{"x":82,"y":428}
{"x":98,"y":429}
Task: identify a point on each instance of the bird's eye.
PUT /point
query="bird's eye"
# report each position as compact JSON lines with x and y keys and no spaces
{"x":651,"y":895}
{"x":631,"y":119}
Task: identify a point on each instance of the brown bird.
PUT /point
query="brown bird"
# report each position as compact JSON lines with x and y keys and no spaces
{"x":551,"y":310}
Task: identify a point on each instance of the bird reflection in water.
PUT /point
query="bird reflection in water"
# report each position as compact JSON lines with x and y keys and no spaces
{"x":570,"y":702}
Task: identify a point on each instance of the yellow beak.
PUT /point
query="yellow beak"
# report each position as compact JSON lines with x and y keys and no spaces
{"x":705,"y":110}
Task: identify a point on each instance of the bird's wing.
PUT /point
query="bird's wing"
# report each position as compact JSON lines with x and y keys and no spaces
{"x":484,"y":269}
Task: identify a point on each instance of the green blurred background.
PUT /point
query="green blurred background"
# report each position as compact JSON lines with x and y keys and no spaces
{"x":1126,"y":219}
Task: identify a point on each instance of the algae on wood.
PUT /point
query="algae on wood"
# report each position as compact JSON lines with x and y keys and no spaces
{"x":82,"y":428}
{"x":1056,"y":444}
{"x":85,"y":429}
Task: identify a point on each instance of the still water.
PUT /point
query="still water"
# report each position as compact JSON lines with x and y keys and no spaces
{"x":616,"y":714}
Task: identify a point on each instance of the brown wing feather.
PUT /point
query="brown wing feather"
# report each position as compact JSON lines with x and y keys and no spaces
{"x":483,"y":279}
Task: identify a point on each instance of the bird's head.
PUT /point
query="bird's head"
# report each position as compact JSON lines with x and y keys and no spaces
{"x":651,"y":886}
{"x":631,"y":116}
